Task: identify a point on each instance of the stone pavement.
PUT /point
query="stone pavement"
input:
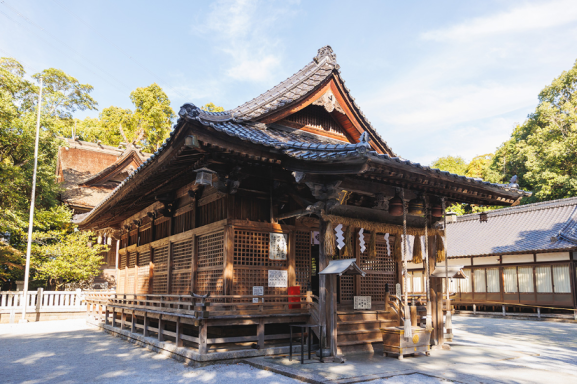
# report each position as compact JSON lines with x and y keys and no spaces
{"x":485,"y":351}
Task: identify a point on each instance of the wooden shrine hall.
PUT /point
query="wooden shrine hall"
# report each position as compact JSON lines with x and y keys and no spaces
{"x":223,"y":233}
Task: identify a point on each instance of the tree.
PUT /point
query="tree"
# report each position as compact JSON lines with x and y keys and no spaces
{"x":210,"y":107}
{"x":543,"y":150}
{"x":65,"y":259}
{"x":453,"y":164}
{"x":62,"y":96}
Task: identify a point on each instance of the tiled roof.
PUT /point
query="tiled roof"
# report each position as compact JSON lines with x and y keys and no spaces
{"x":545,"y":226}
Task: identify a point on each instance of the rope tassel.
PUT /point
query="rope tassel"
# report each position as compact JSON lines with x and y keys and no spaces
{"x":417,"y":251}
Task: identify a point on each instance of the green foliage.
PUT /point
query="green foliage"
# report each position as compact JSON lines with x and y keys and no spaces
{"x":147,"y":126}
{"x":453,"y":164}
{"x":62,"y":95}
{"x":543,"y":150}
{"x":67,"y":258}
{"x":210,"y":107}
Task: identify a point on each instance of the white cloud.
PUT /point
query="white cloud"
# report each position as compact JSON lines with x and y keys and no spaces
{"x":521,"y":19}
{"x":242,"y":29}
{"x":476,"y":80}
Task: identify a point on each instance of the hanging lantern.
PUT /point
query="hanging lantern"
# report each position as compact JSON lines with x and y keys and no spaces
{"x":416,"y":207}
{"x":204,"y":176}
{"x":437,"y":210}
{"x":396,"y":206}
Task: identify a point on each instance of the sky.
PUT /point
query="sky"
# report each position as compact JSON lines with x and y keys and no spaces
{"x":434,"y":78}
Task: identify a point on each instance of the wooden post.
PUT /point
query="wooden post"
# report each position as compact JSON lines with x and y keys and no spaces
{"x":194,"y":263}
{"x":291,"y":262}
{"x":504,"y":313}
{"x":145,"y":330}
{"x":178,"y":332}
{"x":169,"y":269}
{"x":113,"y":317}
{"x":332,"y":314}
{"x":122,"y":318}
{"x":228,"y":264}
{"x":160,"y":328}
{"x":260,"y":333}
{"x":133,"y":322}
{"x":414,"y":321}
{"x":323,"y":263}
{"x":106,"y":315}
{"x":202,"y":336}
{"x":39,"y":299}
{"x":387,"y":301}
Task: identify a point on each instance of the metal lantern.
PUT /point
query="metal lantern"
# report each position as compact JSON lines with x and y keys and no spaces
{"x":204,"y":176}
{"x":416,"y":207}
{"x":396,"y":206}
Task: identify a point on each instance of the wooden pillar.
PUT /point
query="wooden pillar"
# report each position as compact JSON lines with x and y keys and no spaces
{"x":228,"y":264}
{"x":122,"y":318}
{"x":194,"y":263}
{"x":323,"y":263}
{"x":291,"y":262}
{"x":133,"y":322}
{"x":113,"y":318}
{"x":106,"y":316}
{"x":178,"y":332}
{"x":437,"y":337}
{"x":202,"y":336}
{"x":160,"y":328}
{"x":332,"y":313}
{"x":145,"y":329}
{"x":169,"y":269}
{"x":260,"y":333}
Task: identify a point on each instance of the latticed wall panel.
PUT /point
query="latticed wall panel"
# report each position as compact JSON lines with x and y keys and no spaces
{"x":145,"y":235}
{"x":180,"y":279}
{"x":374,"y":286}
{"x":162,"y":228}
{"x":122,"y":260}
{"x":130,"y":276}
{"x":133,"y":237}
{"x":142,"y":279}
{"x":131,"y":259}
{"x":252,"y":249}
{"x":347,"y":283}
{"x":209,"y":281}
{"x":160,"y":277}
{"x":121,"y":281}
{"x":383,"y":261}
{"x":144,"y":257}
{"x":211,"y":251}
{"x":246,"y":278}
{"x":303,"y":260}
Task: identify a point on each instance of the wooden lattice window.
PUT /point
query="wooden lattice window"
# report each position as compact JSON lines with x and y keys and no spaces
{"x":144,"y":257}
{"x":303,"y":260}
{"x":122,"y":261}
{"x":383,"y":261}
{"x":252,"y":249}
{"x":131,"y":259}
{"x":374,"y":286}
{"x":143,"y":279}
{"x":246,"y":278}
{"x":184,"y":222}
{"x":211,"y":250}
{"x":160,"y":277}
{"x":347,"y":283}
{"x":209,"y":281}
{"x":121,"y":281}
{"x":180,"y":278}
{"x":130,"y":277}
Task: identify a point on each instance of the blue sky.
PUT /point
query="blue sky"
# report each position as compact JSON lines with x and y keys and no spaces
{"x":434,"y":78}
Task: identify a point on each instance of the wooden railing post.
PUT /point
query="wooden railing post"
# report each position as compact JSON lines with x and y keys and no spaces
{"x":178,"y":331}
{"x":106,"y":314}
{"x":260,"y":333}
{"x":145,"y":331}
{"x":202,"y":336}
{"x":122,"y":318}
{"x":133,"y":322}
{"x":113,"y":317}
{"x":160,"y":328}
{"x":39,"y":299}
{"x":387,"y":301}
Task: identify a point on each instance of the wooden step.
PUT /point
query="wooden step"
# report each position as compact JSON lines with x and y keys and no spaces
{"x":364,"y":316}
{"x":359,"y":336}
{"x":358,"y":342}
{"x":364,"y":325}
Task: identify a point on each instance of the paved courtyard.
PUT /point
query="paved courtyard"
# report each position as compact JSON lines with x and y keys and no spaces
{"x":484,"y":351}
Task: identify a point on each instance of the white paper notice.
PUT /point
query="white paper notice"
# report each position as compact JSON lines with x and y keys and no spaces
{"x":257,"y":291}
{"x":278,"y":246}
{"x":277,"y":279}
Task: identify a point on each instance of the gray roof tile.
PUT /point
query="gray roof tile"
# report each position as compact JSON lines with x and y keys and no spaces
{"x":525,"y":228}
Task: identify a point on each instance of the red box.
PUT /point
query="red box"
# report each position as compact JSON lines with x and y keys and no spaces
{"x":294,"y":291}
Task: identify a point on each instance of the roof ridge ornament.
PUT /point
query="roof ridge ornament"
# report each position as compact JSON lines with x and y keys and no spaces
{"x":323,"y":52}
{"x":189,"y":110}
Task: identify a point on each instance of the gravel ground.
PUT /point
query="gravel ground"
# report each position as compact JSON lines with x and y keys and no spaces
{"x":485,"y":351}
{"x":71,"y":352}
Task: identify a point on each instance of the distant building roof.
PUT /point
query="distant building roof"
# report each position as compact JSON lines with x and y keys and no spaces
{"x":89,"y":171}
{"x":546,"y":226}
